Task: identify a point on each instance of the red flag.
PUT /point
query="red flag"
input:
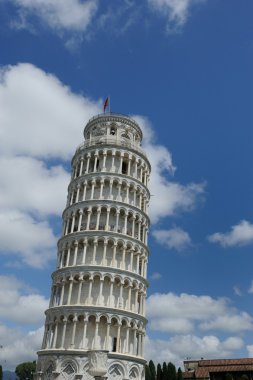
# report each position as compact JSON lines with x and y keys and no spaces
{"x":106,"y":103}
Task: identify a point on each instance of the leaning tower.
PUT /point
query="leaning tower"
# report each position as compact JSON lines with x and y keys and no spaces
{"x":95,"y":323}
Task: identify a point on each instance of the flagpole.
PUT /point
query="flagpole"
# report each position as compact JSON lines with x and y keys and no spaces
{"x":109,"y":103}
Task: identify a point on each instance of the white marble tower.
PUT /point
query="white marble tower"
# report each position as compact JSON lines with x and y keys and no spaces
{"x":97,"y":306}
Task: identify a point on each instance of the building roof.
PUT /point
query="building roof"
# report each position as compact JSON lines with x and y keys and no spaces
{"x":205,"y":367}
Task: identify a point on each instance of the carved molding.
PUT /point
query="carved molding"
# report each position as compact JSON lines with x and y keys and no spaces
{"x":98,"y":362}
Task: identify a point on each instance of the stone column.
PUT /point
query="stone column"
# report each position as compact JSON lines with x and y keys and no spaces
{"x":133,"y":225}
{"x":127,"y":340}
{"x":129,"y":165}
{"x":70,"y":290}
{"x":67,"y":226}
{"x":72,"y":345}
{"x":88,"y":163}
{"x":98,"y":217}
{"x":73,"y":222}
{"x":75,"y":252}
{"x":84,"y":190}
{"x":110,"y":296}
{"x":123,"y":261}
{"x":68,"y":255}
{"x":62,"y":292}
{"x":117,"y":220}
{"x":89,"y":293}
{"x":85,"y":243}
{"x":114,"y":255}
{"x":121,"y":296}
{"x":110,"y":189}
{"x":107,"y":219}
{"x":113,"y":159}
{"x":93,"y":183}
{"x":121,"y":162}
{"x":79,"y":290}
{"x":118,"y":338}
{"x":101,"y":188}
{"x":95,"y":244}
{"x":135,"y":342}
{"x":84,"y":332}
{"x":107,"y":336}
{"x":105,"y":250}
{"x":88,"y":218}
{"x":100,"y":291}
{"x":127,"y":193}
{"x":77,"y":193}
{"x":104,"y":161}
{"x":129,"y":297}
{"x":125,"y":223}
{"x":119,"y":191}
{"x":80,"y":220}
{"x":95,"y":343}
{"x":81,"y":167}
{"x":63,"y":332}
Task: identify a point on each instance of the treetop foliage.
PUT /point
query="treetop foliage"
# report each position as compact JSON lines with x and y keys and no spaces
{"x":25,"y":370}
{"x":162,"y":372}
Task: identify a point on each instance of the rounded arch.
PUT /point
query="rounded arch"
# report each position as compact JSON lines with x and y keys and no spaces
{"x":117,"y":371}
{"x":134,"y":372}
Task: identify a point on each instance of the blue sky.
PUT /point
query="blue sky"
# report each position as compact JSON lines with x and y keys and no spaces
{"x":183,"y":68}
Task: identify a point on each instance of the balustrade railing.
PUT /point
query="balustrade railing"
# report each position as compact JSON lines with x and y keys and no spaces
{"x":110,"y":140}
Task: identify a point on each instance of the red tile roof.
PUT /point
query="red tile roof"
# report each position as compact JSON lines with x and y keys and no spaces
{"x":205,"y":367}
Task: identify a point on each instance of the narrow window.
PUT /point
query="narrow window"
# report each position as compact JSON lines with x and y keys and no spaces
{"x":113,"y":131}
{"x":114,"y":345}
{"x":124,"y":167}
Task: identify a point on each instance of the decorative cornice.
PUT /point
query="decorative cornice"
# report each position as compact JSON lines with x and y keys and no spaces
{"x":108,"y":203}
{"x":107,"y":175}
{"x":98,"y":233}
{"x":99,"y":268}
{"x":96,"y":309}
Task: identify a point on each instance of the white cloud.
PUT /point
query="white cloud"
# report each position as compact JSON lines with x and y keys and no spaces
{"x":165,"y":314}
{"x":67,"y":15}
{"x":250,"y":350}
{"x":240,"y":235}
{"x":20,"y":304}
{"x":39,"y":116}
{"x":34,"y":241}
{"x":240,"y":322}
{"x":168,"y":198}
{"x":40,"y":119}
{"x":155,"y":276}
{"x":40,"y":190}
{"x":174,"y":238}
{"x":18,"y":347}
{"x":177,"y":348}
{"x":176,"y":11}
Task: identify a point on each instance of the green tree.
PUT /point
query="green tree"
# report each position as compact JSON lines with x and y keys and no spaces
{"x":159,"y":372}
{"x":228,"y":376}
{"x":180,"y":374}
{"x":172,"y":372}
{"x":165,"y":372}
{"x":1,"y":372}
{"x":147,"y":372}
{"x":152,"y":370}
{"x":25,"y":370}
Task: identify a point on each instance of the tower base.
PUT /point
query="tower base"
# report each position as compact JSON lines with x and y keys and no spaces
{"x":74,"y":365}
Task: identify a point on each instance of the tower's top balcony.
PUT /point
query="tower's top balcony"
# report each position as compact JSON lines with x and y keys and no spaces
{"x":113,"y":129}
